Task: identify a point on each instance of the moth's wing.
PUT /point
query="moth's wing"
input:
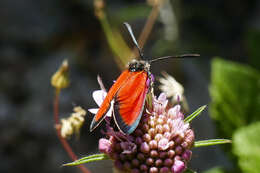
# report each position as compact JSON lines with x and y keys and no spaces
{"x":105,"y":106}
{"x":129,"y":102}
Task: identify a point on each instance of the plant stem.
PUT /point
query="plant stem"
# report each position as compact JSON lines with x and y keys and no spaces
{"x":63,"y":141}
{"x":209,"y":142}
{"x":147,"y":28}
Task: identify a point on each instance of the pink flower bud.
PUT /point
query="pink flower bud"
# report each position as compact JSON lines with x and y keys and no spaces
{"x":153,"y":144}
{"x":163,"y":144}
{"x":178,"y":166}
{"x":168,"y":162}
{"x":153,"y":170}
{"x":158,"y":162}
{"x":164,"y":170}
{"x":186,"y":155}
{"x":145,"y":147}
{"x":143,"y":168}
{"x":149,"y":161}
{"x":104,"y":146}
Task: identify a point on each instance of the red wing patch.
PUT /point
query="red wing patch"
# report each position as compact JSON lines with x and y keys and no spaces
{"x":129,"y":102}
{"x":121,"y":80}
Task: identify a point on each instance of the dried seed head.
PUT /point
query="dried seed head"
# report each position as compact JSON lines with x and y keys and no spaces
{"x":60,"y":79}
{"x":72,"y":124}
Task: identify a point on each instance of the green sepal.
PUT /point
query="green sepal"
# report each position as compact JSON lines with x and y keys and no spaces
{"x":204,"y":143}
{"x":91,"y":158}
{"x":194,"y":114}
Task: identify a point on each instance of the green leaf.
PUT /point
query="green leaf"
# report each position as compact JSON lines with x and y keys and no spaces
{"x":246,"y":145}
{"x":234,"y":91}
{"x":91,"y":158}
{"x":204,"y":143}
{"x":194,"y":114}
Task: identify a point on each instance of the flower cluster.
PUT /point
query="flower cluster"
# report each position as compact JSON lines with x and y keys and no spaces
{"x":160,"y":143}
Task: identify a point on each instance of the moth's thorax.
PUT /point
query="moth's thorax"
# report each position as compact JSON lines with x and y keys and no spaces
{"x":138,"y":65}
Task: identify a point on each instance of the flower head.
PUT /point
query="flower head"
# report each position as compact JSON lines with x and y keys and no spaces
{"x":160,"y":143}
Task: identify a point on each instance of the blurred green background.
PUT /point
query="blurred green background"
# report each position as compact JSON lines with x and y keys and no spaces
{"x":35,"y":36}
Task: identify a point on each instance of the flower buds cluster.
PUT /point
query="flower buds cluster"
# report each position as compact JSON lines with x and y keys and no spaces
{"x":72,"y":124}
{"x":160,"y":143}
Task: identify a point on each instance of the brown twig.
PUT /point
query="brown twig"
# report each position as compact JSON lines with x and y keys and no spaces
{"x":148,"y":27}
{"x":64,"y":143}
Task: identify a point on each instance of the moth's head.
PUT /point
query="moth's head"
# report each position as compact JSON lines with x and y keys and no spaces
{"x":138,"y":65}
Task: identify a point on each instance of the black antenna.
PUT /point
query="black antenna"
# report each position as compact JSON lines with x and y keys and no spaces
{"x":133,"y":38}
{"x":177,"y":56}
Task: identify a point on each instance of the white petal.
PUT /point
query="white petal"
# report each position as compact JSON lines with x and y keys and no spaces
{"x":165,"y":104}
{"x":162,"y":97}
{"x":174,"y":112}
{"x":99,"y":96}
{"x":93,"y":110}
{"x":109,"y":112}
{"x":100,"y":83}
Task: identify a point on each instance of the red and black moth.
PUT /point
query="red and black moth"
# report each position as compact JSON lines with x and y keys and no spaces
{"x":128,"y":93}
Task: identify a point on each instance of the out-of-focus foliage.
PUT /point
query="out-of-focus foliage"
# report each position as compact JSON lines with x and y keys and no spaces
{"x":215,"y":170}
{"x":189,"y":171}
{"x":246,"y":145}
{"x":235,"y":106}
{"x":253,"y":39}
{"x":235,"y":95}
{"x":131,"y":12}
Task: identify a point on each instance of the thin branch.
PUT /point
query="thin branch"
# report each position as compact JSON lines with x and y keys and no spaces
{"x":147,"y":28}
{"x":64,"y":143}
